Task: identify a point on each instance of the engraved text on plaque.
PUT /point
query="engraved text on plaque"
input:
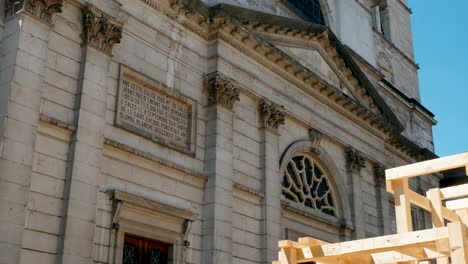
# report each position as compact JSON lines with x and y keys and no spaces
{"x":154,"y":114}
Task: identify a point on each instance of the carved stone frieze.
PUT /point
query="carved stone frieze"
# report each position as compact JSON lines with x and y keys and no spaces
{"x":354,"y":159}
{"x":272,"y":115}
{"x":379,"y":173}
{"x":100,"y":31}
{"x":222,"y":91}
{"x":42,"y":9}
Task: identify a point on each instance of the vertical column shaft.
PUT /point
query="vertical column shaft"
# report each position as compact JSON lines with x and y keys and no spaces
{"x":218,"y":200}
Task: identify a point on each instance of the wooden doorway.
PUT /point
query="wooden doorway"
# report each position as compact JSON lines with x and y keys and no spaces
{"x":139,"y":250}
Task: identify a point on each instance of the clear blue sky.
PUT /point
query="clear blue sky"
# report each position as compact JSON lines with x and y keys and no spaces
{"x":440,"y":32}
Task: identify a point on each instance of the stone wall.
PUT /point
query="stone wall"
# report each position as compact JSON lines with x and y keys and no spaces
{"x":73,"y":183}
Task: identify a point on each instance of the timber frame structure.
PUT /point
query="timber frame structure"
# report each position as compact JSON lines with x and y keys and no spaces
{"x":446,"y":242}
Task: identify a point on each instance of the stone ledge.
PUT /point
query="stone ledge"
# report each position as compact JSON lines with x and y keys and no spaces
{"x":153,"y":158}
{"x":248,"y":190}
{"x":153,"y":205}
{"x":57,"y":123}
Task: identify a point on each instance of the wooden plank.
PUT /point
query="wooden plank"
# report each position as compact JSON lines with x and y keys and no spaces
{"x":402,"y":206}
{"x":427,"y":167}
{"x":435,"y":197}
{"x":454,"y":192}
{"x":288,"y":256}
{"x":457,"y":204}
{"x":463,"y":213}
{"x":450,"y":215}
{"x":458,"y":243}
{"x":419,"y":200}
{"x":424,"y":238}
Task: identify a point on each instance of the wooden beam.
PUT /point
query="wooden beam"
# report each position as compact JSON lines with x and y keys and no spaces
{"x":427,"y":167}
{"x":402,"y":206}
{"x":419,"y":200}
{"x":457,"y":204}
{"x":458,"y":243}
{"x":435,"y":197}
{"x":454,"y":192}
{"x":423,"y":238}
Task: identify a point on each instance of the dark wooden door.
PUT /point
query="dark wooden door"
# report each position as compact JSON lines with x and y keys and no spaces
{"x":143,"y":251}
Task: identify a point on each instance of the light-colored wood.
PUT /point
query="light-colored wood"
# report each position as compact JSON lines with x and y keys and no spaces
{"x":458,"y":243}
{"x":435,"y":198}
{"x":454,"y":192}
{"x":419,"y":200}
{"x":408,"y":246}
{"x":457,"y":204}
{"x":427,"y":167}
{"x":463,"y":213}
{"x":402,"y":206}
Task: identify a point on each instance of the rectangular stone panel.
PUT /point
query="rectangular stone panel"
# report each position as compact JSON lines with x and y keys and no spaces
{"x":150,"y":109}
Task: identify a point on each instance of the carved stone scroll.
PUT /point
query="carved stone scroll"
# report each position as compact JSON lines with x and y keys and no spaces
{"x":354,"y":159}
{"x":222,"y":91}
{"x":100,"y":31}
{"x":272,"y":115}
{"x":42,"y":9}
{"x":315,"y":137}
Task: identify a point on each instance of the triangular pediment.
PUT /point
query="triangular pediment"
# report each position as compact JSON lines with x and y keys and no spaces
{"x":320,"y":64}
{"x":318,"y":51}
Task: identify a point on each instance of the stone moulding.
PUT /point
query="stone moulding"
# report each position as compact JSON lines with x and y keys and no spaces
{"x":272,"y":115}
{"x":215,"y":23}
{"x":41,"y":9}
{"x":222,"y":91}
{"x":354,"y":159}
{"x":100,"y":31}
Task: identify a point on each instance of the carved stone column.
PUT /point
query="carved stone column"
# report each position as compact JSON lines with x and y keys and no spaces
{"x":380,"y":195}
{"x":24,"y":46}
{"x":354,"y":163}
{"x":217,"y":209}
{"x":272,"y":117}
{"x":100,"y":33}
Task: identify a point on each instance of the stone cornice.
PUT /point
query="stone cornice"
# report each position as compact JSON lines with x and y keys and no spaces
{"x":41,"y":9}
{"x":100,"y":30}
{"x":272,"y":115}
{"x":213,"y":24}
{"x":221,"y":90}
{"x":411,"y":149}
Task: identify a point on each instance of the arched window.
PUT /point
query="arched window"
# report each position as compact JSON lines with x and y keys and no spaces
{"x":306,"y":183}
{"x":310,"y":8}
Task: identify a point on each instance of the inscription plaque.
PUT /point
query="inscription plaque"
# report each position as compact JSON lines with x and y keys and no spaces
{"x":153,"y":113}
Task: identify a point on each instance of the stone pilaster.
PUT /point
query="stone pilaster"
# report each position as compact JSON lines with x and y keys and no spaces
{"x":23,"y":60}
{"x":217,"y":209}
{"x":354,"y":163}
{"x":272,"y":117}
{"x":382,"y":201}
{"x":83,"y":173}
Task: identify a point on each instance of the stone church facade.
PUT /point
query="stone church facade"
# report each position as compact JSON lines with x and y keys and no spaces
{"x":201,"y":131}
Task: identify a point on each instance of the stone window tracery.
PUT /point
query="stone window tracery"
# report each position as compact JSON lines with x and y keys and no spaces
{"x":304,"y":182}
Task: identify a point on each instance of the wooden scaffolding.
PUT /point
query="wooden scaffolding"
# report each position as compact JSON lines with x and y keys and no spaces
{"x":446,"y":242}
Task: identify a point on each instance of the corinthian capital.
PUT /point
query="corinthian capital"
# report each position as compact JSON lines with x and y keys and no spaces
{"x":100,"y":31}
{"x":272,"y":115}
{"x":354,"y":160}
{"x":222,"y":91}
{"x":379,"y":171}
{"x":42,"y":9}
